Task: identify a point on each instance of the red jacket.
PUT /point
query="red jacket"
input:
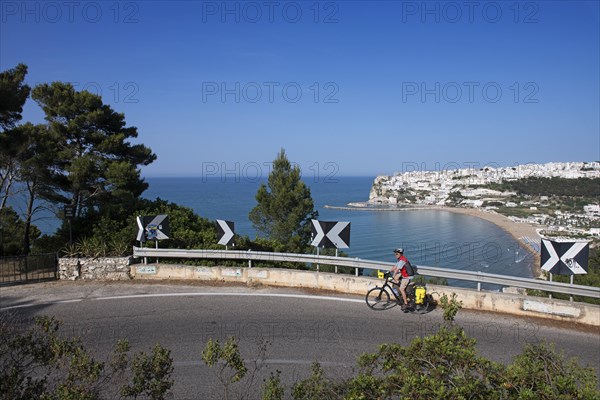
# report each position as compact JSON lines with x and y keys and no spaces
{"x":404,"y":260}
{"x":400,"y":265}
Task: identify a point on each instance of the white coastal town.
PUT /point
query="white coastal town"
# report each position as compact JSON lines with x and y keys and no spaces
{"x":559,"y":197}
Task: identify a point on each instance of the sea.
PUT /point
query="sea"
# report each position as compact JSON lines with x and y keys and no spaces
{"x":434,"y":238}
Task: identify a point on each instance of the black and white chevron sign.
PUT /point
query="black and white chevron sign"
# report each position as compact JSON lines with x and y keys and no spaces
{"x":330,"y":234}
{"x":565,"y":258}
{"x":153,"y":227}
{"x":226,"y":232}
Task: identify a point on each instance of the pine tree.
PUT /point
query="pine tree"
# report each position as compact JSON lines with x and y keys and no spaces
{"x":285,"y":207}
{"x":13,"y":95}
{"x":97,"y":165}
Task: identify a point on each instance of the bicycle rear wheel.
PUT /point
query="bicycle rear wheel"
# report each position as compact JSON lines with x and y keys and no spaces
{"x":379,"y":299}
{"x":423,"y":307}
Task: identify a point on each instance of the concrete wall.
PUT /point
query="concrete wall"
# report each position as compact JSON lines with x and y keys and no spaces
{"x":516,"y":304}
{"x":102,"y":268}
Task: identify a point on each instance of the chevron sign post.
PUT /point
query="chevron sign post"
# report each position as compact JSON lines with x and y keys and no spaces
{"x":330,"y":234}
{"x":565,"y":257}
{"x":226,"y":232}
{"x":153,"y":227}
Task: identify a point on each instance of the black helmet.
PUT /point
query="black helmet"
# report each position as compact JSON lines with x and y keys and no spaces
{"x":399,"y":250}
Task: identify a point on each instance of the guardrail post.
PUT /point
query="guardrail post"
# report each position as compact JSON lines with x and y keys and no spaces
{"x":317,"y":257}
{"x":336,"y":254}
{"x":571,"y":282}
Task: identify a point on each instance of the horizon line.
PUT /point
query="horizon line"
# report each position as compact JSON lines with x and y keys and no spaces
{"x":253,"y":179}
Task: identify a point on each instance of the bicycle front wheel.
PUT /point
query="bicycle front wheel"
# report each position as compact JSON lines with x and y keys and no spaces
{"x":378,"y":299}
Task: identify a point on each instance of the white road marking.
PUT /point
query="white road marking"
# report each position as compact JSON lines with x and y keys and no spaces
{"x":151,"y":295}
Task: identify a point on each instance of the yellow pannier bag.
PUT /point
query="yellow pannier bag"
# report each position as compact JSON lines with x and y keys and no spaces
{"x":420,"y":294}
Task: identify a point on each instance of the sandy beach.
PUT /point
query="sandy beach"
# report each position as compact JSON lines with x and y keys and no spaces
{"x":520,"y":231}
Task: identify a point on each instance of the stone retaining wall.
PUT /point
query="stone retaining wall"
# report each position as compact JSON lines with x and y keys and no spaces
{"x":103,"y":268}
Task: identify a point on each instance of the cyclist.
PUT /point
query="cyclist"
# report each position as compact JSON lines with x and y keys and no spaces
{"x":401,"y":274}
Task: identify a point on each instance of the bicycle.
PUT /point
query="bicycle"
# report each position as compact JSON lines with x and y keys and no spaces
{"x":379,"y":299}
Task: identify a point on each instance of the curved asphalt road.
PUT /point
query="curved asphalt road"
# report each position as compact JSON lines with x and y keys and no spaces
{"x":299,"y":327}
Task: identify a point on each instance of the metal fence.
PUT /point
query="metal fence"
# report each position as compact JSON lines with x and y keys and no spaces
{"x":471,"y":276}
{"x":18,"y":269}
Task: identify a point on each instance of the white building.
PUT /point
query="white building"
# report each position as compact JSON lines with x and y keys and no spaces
{"x":592,"y":209}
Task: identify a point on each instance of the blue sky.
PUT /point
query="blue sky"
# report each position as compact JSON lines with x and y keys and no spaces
{"x":346,"y":88}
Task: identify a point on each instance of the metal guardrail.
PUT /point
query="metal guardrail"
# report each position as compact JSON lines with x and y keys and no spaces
{"x":472,"y":276}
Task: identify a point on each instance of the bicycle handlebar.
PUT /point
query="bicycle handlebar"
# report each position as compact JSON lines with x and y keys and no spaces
{"x":389,"y":278}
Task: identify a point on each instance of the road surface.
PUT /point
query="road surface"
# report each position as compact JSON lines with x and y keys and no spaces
{"x":298,"y":327}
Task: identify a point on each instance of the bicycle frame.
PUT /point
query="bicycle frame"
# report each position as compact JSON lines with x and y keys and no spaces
{"x":389,"y":282}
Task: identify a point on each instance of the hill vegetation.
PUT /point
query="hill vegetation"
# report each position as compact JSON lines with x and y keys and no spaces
{"x":555,"y":186}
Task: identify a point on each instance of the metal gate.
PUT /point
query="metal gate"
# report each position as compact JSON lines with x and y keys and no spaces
{"x":38,"y":267}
